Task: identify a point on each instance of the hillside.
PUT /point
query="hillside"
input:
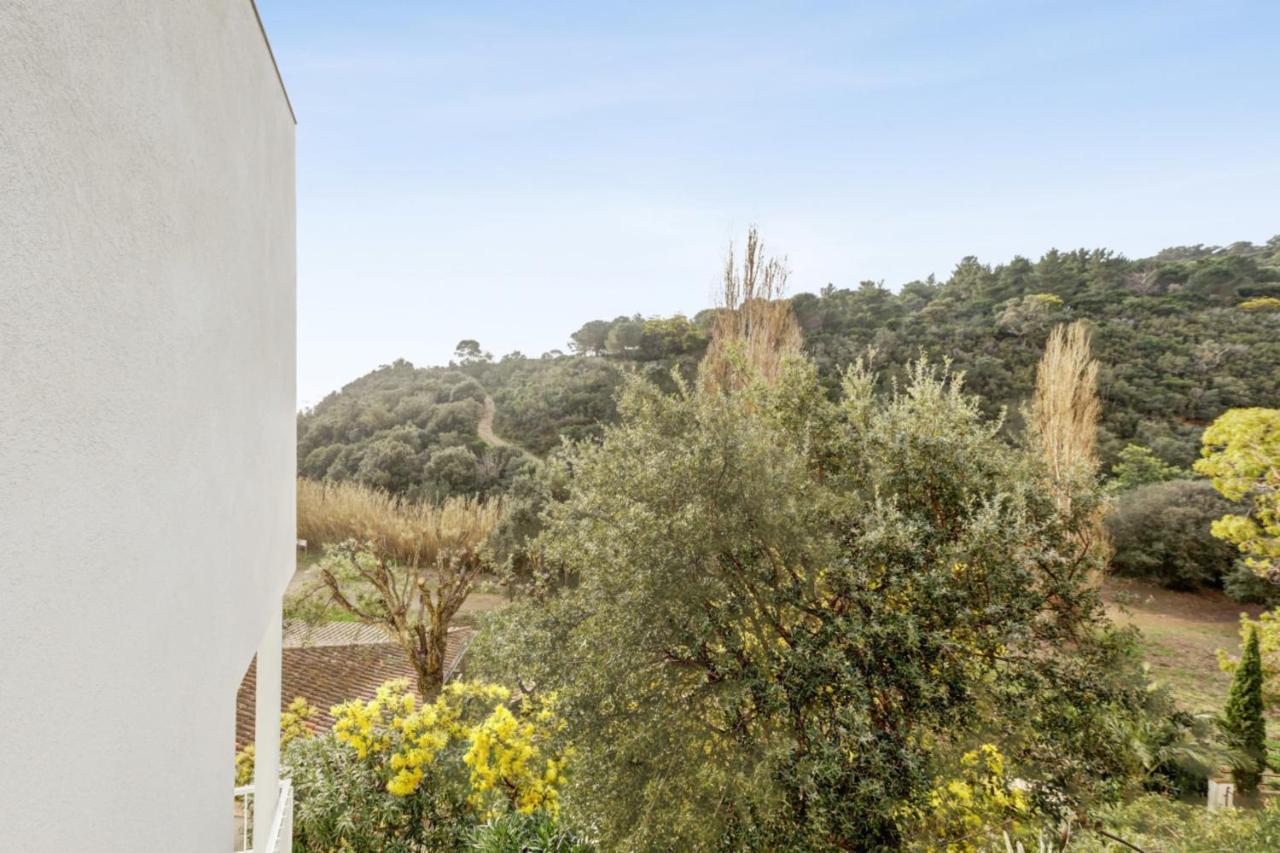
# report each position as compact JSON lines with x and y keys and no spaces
{"x":1182,"y":336}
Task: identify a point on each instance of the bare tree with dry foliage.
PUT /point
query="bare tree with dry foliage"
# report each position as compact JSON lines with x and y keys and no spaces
{"x":755,"y":329}
{"x":404,"y":567}
{"x":1064,"y":421}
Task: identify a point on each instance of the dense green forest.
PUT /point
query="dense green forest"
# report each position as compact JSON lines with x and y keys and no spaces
{"x":1182,"y":336}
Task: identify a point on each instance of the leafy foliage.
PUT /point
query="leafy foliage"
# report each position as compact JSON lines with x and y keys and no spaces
{"x":1178,"y":750}
{"x":295,"y":724}
{"x":1160,"y":532}
{"x":975,"y":806}
{"x":409,"y":431}
{"x":790,"y":611}
{"x":1242,"y":460}
{"x":1158,"y":823}
{"x":539,"y":401}
{"x":1138,"y":466}
{"x":399,"y":776}
{"x":1242,"y":720}
{"x":1167,"y":331}
{"x":1244,"y":585}
{"x":533,"y":833}
{"x":1267,"y":629}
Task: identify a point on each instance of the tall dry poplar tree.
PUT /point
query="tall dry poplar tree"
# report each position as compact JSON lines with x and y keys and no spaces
{"x":1065,"y":409}
{"x":1064,"y":423}
{"x":755,"y":329}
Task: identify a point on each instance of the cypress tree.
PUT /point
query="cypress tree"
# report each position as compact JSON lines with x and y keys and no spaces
{"x":1242,"y":720}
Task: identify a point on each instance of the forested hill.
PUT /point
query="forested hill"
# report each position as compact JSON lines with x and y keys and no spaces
{"x":1181,"y":336}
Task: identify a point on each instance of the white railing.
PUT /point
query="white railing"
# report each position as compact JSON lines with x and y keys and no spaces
{"x":280,"y":837}
{"x":244,"y":818}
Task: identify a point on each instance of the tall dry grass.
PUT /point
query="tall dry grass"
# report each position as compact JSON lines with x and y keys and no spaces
{"x":414,"y":534}
{"x":755,"y":329}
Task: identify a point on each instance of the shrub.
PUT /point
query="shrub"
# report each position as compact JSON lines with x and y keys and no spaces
{"x":519,"y":833}
{"x":970,"y":806}
{"x":452,"y":470}
{"x":1267,"y":626}
{"x":1241,"y":457}
{"x":396,"y":775}
{"x":295,"y":724}
{"x":1138,"y":466}
{"x":1161,"y":532}
{"x":1245,"y":585}
{"x":1179,"y":749}
{"x":1155,"y":822}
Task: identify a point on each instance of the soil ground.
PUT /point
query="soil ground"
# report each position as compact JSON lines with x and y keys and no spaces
{"x":1181,"y":633}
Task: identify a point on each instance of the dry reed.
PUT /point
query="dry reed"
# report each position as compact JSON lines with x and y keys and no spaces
{"x":414,"y":534}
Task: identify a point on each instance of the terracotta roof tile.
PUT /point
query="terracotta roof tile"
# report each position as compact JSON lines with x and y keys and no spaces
{"x":332,"y":634}
{"x":328,"y":675}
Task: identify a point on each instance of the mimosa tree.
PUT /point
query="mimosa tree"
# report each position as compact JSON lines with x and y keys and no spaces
{"x":1241,"y":457}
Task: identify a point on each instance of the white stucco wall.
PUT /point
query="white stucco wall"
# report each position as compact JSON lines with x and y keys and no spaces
{"x":146,"y":411}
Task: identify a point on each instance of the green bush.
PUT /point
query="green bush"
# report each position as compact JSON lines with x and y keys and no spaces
{"x":341,"y":804}
{"x":1154,"y":822}
{"x":520,"y":833}
{"x":1138,"y":466}
{"x":1246,"y":586}
{"x":1161,"y":532}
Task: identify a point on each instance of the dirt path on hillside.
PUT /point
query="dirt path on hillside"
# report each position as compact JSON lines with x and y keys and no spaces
{"x":485,"y":427}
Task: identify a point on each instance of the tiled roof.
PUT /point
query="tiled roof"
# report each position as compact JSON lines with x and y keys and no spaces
{"x":297,"y":633}
{"x":328,"y":675}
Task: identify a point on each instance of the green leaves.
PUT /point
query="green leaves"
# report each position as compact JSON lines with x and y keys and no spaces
{"x":1241,"y":457}
{"x":1242,"y":720}
{"x":790,"y":613}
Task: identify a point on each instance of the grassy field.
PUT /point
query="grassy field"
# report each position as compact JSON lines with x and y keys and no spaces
{"x":1182,"y":632}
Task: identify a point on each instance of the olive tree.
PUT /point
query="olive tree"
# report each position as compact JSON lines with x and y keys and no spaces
{"x":793,"y":614}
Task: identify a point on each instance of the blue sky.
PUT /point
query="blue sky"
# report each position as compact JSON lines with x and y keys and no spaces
{"x":506,"y":172}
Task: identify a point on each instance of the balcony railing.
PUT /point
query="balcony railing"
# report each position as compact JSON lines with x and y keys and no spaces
{"x":279,"y":838}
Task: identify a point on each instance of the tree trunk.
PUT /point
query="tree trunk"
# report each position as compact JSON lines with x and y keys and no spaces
{"x":437,"y":642}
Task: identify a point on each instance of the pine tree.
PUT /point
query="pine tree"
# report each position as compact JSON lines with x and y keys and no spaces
{"x":1242,"y":720}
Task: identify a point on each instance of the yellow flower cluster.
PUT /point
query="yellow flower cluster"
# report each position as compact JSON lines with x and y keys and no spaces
{"x":420,"y":738}
{"x":506,"y":757}
{"x":1261,"y":303}
{"x":509,"y":754}
{"x":364,"y":726}
{"x":294,"y":724}
{"x":979,"y":798}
